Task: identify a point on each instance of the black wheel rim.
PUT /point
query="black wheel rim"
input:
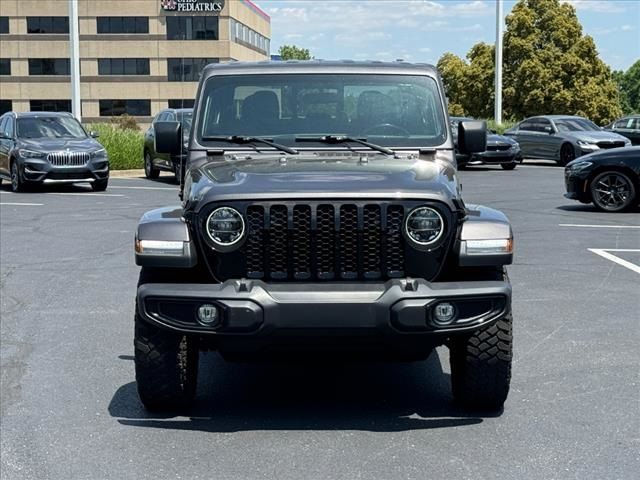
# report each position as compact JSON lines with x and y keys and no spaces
{"x":147,"y":164}
{"x":567,"y":154}
{"x":612,"y":191}
{"x":15,"y":180}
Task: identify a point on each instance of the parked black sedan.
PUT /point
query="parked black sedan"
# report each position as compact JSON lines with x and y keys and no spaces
{"x":562,"y":137}
{"x":628,"y":127}
{"x":501,"y":150}
{"x":50,"y":147}
{"x":609,"y":179}
{"x":154,"y":161}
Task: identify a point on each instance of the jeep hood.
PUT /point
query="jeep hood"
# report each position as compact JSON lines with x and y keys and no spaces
{"x":317,"y":176}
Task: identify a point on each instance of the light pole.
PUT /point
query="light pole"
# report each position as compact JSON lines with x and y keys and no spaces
{"x":498,"y":66}
{"x":74,"y":53}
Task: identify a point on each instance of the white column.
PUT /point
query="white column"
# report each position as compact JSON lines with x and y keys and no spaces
{"x":74,"y":55}
{"x":498,"y":66}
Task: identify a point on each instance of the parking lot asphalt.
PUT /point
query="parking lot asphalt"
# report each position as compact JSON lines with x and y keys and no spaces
{"x":69,"y":408}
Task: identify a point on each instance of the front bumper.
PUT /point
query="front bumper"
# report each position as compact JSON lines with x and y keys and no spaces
{"x":255,"y":309}
{"x":496,"y":157}
{"x":40,"y":171}
{"x":577,"y":185}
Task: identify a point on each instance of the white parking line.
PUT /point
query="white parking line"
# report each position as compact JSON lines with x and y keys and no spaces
{"x":84,"y":194}
{"x":597,"y":226}
{"x":604,"y":253}
{"x":23,"y":204}
{"x":143,"y":188}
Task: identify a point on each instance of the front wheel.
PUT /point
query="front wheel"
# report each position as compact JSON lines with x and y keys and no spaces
{"x":481,"y":366}
{"x":508,"y":166}
{"x":612,"y":191}
{"x":567,"y":154}
{"x":100,"y":185}
{"x":149,"y":170}
{"x":17,"y":183}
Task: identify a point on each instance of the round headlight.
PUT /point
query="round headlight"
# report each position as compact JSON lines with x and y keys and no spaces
{"x":225,"y":226}
{"x":424,"y":226}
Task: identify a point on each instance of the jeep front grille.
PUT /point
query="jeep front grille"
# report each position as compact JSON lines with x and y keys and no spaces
{"x":324,"y":241}
{"x":68,"y":159}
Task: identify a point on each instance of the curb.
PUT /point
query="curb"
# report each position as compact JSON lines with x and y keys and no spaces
{"x":126,"y":173}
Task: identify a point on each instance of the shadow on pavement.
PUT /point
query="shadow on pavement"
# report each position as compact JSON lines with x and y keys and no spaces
{"x":351,"y":396}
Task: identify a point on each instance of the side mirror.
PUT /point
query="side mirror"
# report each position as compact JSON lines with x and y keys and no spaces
{"x":549,"y":130}
{"x":168,"y":137}
{"x":93,"y":134}
{"x":472,"y":137}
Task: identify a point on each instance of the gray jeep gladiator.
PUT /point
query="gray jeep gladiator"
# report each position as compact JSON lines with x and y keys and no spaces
{"x":322,"y":217}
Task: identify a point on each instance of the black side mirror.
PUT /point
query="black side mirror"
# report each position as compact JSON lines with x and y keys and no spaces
{"x":472,"y":137}
{"x":93,"y":134}
{"x":168,"y":137}
{"x":549,"y":130}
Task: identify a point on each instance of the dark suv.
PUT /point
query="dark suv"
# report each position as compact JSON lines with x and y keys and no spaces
{"x":50,"y":147}
{"x":155,"y":161}
{"x":322,"y":217}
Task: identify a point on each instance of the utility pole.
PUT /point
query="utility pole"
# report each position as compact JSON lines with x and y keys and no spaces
{"x":498,"y":66}
{"x":74,"y":53}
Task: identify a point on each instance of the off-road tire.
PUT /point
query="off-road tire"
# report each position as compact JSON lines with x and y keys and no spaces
{"x":481,"y":366}
{"x":100,"y":185}
{"x":166,"y":367}
{"x":150,"y":171}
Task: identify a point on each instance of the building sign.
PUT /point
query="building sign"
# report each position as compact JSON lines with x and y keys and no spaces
{"x":209,"y":6}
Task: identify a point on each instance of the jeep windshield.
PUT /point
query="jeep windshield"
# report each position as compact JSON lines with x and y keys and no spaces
{"x":393,"y":111}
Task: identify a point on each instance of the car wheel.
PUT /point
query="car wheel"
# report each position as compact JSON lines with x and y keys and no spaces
{"x":567,"y":154}
{"x":149,"y":170}
{"x":17,"y":183}
{"x":612,"y":191}
{"x":508,"y":166}
{"x":100,"y":185}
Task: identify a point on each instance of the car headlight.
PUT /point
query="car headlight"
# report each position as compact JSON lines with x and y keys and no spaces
{"x":576,"y":167}
{"x":101,"y":153}
{"x":587,"y":145}
{"x":30,"y":153}
{"x":225,"y":227}
{"x":424,"y":226}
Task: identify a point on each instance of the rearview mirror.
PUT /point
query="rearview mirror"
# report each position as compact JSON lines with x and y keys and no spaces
{"x":168,"y":137}
{"x":472,"y":137}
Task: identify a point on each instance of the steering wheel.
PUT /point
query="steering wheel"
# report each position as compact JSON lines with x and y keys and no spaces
{"x":389,"y":126}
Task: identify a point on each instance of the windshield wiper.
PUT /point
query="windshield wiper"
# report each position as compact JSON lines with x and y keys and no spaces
{"x":336,"y":139}
{"x":241,"y":140}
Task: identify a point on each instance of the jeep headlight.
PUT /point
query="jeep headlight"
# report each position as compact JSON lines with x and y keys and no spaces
{"x":424,"y":226}
{"x":225,"y":227}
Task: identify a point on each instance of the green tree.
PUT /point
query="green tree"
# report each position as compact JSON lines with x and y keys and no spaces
{"x":453,"y":70}
{"x":551,"y":67}
{"x":629,"y":88}
{"x":291,"y":52}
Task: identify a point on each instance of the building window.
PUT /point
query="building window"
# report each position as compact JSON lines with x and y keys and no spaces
{"x":187,"y":69}
{"x":123,"y":24}
{"x":114,"y":108}
{"x":49,"y":66}
{"x":5,"y":106}
{"x":123,"y":66}
{"x":5,"y":66}
{"x":181,"y":103}
{"x":4,"y":24}
{"x":50,"y":105}
{"x":47,"y":24}
{"x":192,"y":28}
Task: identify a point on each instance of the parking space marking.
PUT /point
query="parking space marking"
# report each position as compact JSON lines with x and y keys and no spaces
{"x":604,"y":253}
{"x":84,"y":194}
{"x":23,"y":204}
{"x":597,"y":226}
{"x":143,"y":188}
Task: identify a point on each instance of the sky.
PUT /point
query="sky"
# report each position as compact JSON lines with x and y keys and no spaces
{"x":421,"y":30}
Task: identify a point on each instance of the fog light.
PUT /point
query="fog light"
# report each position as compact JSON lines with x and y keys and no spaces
{"x":208,"y":314}
{"x":444,"y":313}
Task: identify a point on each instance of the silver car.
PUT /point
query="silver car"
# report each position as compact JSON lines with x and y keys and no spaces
{"x":562,"y":138}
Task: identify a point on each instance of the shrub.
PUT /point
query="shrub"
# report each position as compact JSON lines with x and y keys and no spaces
{"x":501,"y":127}
{"x":125,"y":122}
{"x":124,"y":146}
